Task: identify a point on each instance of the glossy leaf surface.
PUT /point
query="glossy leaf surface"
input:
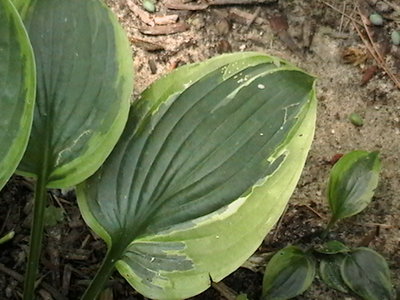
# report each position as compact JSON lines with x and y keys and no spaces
{"x":329,"y":271}
{"x":352,"y":183}
{"x":84,"y":71}
{"x":208,"y":159}
{"x":17,"y":89}
{"x":288,"y":274}
{"x":367,"y":274}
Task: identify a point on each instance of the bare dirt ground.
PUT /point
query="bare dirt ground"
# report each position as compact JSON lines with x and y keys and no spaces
{"x":321,"y":40}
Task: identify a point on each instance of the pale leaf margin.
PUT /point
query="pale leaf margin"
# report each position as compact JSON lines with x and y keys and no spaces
{"x":16,"y":147}
{"x":253,"y":214}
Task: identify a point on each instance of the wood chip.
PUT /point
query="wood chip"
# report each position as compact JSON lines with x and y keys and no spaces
{"x":165,"y":20}
{"x":164,"y":29}
{"x":146,"y":45}
{"x":144,"y":16}
{"x":152,"y":66}
{"x":66,"y":280}
{"x":368,"y":74}
{"x":183,"y":5}
{"x":244,"y":17}
{"x":240,"y":2}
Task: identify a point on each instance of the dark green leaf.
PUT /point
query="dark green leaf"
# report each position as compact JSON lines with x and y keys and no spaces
{"x":242,"y":297}
{"x":367,"y":274}
{"x":53,"y":215}
{"x":352,"y":183}
{"x":208,"y":160}
{"x":329,"y":270}
{"x":288,"y":274}
{"x":333,"y":247}
{"x":17,"y":89}
{"x":84,"y":72}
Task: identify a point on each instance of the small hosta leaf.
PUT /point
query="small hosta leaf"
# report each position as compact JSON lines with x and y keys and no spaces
{"x":53,"y":215}
{"x":288,"y":274}
{"x":207,"y":162}
{"x":17,"y":89}
{"x":7,"y":237}
{"x":352,"y":183}
{"x":333,"y":247}
{"x":367,"y":274}
{"x":329,"y":271}
{"x":84,"y":71}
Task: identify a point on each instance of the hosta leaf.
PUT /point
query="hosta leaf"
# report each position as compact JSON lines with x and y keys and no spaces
{"x":84,"y":72}
{"x":333,"y":247}
{"x":352,"y":183}
{"x":209,"y":157}
{"x":329,"y":271}
{"x":22,"y":6}
{"x":7,"y":237}
{"x":17,"y":89}
{"x":288,"y":274}
{"x":367,"y":274}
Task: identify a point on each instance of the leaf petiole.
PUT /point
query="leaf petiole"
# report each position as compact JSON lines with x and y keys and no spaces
{"x":103,"y":274}
{"x":35,"y":243}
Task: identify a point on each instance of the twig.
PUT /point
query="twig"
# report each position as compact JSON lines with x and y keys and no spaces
{"x":254,"y":16}
{"x":239,"y":2}
{"x":394,"y":6}
{"x":313,"y":211}
{"x":146,"y":45}
{"x":171,"y":4}
{"x":385,"y":226}
{"x":278,"y":226}
{"x":238,"y":13}
{"x":371,"y":46}
{"x":342,"y":17}
{"x":163,"y":29}
{"x":342,"y":13}
{"x":20,"y":278}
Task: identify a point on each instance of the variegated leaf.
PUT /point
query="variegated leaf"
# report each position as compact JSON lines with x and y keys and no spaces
{"x":17,"y":89}
{"x":207,"y":162}
{"x":84,"y":71}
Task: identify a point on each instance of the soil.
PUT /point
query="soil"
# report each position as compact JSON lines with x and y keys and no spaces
{"x":326,"y":44}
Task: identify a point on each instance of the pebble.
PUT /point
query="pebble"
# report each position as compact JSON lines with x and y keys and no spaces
{"x":376,"y":19}
{"x":395,"y":37}
{"x":149,"y":5}
{"x":356,"y":119}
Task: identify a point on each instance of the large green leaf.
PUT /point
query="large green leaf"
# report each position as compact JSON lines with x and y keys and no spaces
{"x":367,"y":274}
{"x":17,"y":89}
{"x":329,"y":271}
{"x":352,"y":183}
{"x":288,"y":274}
{"x":84,"y":71}
{"x":207,"y":162}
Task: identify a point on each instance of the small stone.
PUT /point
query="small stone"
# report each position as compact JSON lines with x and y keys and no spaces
{"x":376,"y":19}
{"x":149,"y":5}
{"x":395,"y":37}
{"x":356,"y":119}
